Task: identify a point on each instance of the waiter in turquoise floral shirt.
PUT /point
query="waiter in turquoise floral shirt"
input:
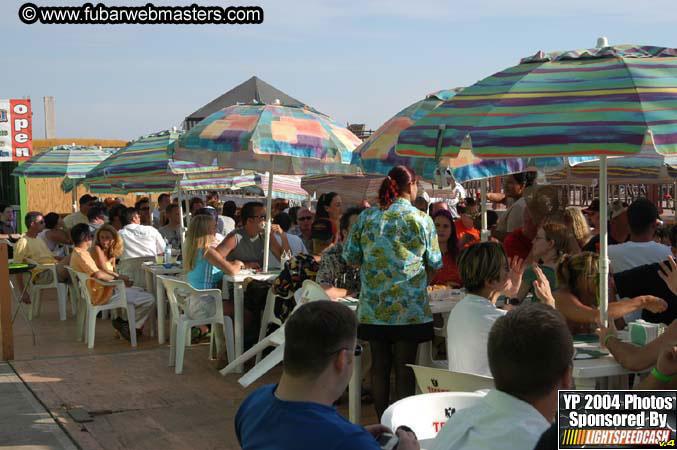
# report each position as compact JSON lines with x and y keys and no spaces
{"x":395,"y":246}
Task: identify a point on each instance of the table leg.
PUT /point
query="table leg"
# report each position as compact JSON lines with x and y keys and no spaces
{"x":149,"y":282}
{"x":238,"y":306}
{"x":355,"y":392}
{"x":161,"y":313}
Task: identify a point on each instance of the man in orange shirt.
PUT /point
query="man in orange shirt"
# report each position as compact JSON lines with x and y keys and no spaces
{"x":465,"y":227}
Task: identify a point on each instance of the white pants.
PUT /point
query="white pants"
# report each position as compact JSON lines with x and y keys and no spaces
{"x":143,"y":303}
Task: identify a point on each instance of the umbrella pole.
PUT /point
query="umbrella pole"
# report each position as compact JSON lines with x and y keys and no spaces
{"x":269,"y":205}
{"x":484,"y":236}
{"x":75,"y":198}
{"x":603,"y":247}
{"x":181,"y":230}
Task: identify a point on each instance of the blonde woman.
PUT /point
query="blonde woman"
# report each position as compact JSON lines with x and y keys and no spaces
{"x":203,"y":266}
{"x":105,"y":249}
{"x":578,"y":225}
{"x":576,"y":298}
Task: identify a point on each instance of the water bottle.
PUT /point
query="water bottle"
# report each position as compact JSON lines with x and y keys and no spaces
{"x":168,"y":253}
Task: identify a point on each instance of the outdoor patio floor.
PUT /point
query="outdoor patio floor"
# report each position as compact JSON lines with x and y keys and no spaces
{"x":135,"y":400}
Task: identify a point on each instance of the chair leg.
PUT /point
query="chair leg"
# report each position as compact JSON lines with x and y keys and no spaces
{"x":131,"y":319}
{"x":81,"y":321}
{"x":61,"y":296}
{"x":229,"y":334}
{"x":91,"y":327}
{"x":267,"y":363}
{"x":172,"y":344}
{"x":181,"y":332}
{"x":260,"y":346}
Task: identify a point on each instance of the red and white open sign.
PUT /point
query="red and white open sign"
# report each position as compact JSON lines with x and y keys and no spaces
{"x":16,"y":130}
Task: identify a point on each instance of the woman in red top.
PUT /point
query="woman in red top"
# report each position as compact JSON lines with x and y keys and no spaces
{"x":448,"y":240}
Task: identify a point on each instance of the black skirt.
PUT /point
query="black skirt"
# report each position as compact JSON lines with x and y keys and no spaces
{"x":420,"y":332}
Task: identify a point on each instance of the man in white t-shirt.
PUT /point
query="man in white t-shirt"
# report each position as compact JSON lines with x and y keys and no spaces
{"x":527,"y":373}
{"x":641,"y":249}
{"x":139,"y":240}
{"x":486,"y":274}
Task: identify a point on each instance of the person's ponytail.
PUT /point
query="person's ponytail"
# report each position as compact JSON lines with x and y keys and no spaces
{"x":394,"y":185}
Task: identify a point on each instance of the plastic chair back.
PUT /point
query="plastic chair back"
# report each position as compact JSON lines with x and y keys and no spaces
{"x":311,"y":291}
{"x":430,"y":380}
{"x":426,"y":414}
{"x":133,"y":269}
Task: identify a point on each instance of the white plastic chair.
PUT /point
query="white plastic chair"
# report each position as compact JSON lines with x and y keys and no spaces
{"x":309,"y":293}
{"x":93,"y":310}
{"x":35,"y":291}
{"x":133,"y":269}
{"x":181,"y":324}
{"x":309,"y":289}
{"x":426,"y":414}
{"x":431,"y":380}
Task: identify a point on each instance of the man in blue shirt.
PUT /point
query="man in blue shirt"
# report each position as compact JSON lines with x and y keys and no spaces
{"x":297,"y":413}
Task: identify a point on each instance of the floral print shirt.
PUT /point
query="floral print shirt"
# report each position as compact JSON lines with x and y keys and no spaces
{"x":335,"y":271}
{"x":393,"y":249}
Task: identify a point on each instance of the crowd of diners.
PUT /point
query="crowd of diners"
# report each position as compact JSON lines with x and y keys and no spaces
{"x":540,"y":263}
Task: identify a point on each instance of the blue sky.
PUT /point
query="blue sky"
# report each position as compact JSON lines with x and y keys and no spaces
{"x":358,"y":61}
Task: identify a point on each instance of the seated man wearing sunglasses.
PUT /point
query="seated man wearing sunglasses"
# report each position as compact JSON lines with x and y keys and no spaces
{"x":32,"y":247}
{"x":297,"y":413}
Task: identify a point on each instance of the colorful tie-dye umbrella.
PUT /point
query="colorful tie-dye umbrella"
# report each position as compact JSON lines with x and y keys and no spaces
{"x":601,"y":101}
{"x":298,"y":141}
{"x":275,"y":138}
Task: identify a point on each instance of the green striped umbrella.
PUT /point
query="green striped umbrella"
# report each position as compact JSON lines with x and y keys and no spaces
{"x":146,"y":159}
{"x":73,"y":161}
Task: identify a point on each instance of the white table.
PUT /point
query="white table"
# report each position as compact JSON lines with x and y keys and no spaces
{"x":605,"y":370}
{"x":152,"y":271}
{"x":238,"y":303}
{"x":443,"y":307}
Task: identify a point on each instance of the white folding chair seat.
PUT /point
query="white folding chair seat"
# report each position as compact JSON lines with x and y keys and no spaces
{"x":181,"y":323}
{"x":93,"y":310}
{"x":425,"y":414}
{"x":35,"y":291}
{"x":309,"y":293}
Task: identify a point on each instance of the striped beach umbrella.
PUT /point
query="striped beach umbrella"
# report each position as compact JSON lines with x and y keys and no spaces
{"x":73,"y":161}
{"x":146,"y":159}
{"x":609,"y":100}
{"x":377,"y":154}
{"x":601,"y":101}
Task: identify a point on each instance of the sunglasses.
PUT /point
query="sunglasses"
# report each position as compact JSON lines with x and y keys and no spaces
{"x":304,"y":218}
{"x":259,"y":217}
